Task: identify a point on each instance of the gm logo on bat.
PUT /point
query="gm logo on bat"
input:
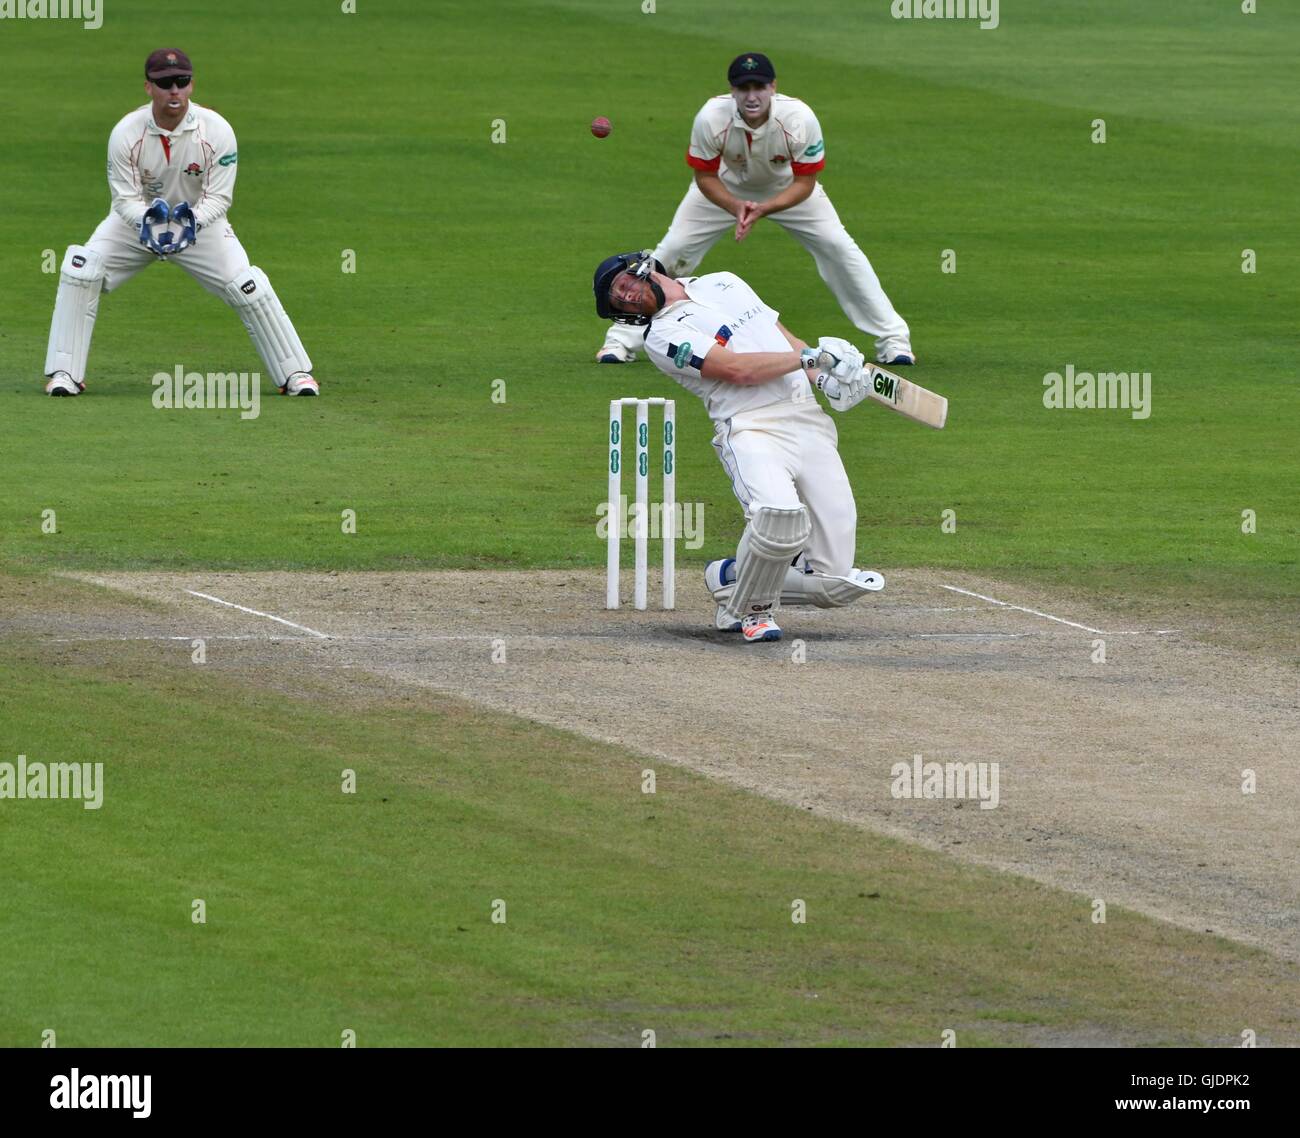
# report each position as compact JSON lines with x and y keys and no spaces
{"x":886,"y":385}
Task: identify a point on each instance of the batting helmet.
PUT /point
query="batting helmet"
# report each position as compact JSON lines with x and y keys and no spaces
{"x":640,"y":263}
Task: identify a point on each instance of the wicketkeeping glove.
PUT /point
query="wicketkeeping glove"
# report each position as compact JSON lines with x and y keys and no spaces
{"x":183,"y":215}
{"x":158,"y":213}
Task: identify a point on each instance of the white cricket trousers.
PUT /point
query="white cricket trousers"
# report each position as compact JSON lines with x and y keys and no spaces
{"x":786,"y":455}
{"x":844,"y":267}
{"x":214,"y":260}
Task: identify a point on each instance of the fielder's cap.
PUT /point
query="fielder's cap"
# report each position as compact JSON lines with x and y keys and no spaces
{"x":167,"y":61}
{"x":752,"y":67}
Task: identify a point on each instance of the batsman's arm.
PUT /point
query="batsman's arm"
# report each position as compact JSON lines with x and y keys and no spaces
{"x":790,"y":338}
{"x":747,"y":369}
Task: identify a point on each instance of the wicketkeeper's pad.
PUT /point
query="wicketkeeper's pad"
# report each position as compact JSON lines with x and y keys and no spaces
{"x":269,"y":326}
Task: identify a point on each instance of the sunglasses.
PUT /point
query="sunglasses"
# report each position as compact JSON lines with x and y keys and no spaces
{"x":172,"y":81}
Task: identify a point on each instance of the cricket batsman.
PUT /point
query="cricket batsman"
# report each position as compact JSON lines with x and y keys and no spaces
{"x":715,"y":336}
{"x":758,"y":154}
{"x":171,"y":174}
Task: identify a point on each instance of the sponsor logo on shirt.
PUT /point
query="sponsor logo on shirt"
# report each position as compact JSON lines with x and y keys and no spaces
{"x":815,"y":149}
{"x":722,"y":335}
{"x":228,"y":159}
{"x":683,"y":354}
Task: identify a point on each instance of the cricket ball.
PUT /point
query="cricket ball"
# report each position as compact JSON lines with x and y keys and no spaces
{"x":601,"y":127}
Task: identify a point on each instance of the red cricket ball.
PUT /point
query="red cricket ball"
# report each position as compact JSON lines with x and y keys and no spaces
{"x":601,"y":127}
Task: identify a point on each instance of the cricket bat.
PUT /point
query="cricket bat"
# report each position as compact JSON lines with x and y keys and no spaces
{"x":902,"y":396}
{"x":907,"y":398}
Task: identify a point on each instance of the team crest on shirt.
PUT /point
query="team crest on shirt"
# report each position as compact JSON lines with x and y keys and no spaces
{"x":780,"y":159}
{"x":194,"y":169}
{"x":722,"y":335}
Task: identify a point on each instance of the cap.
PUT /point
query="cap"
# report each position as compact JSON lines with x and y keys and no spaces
{"x":167,"y":61}
{"x":752,"y":67}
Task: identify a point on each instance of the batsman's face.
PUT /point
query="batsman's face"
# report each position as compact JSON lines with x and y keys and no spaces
{"x":753,"y":100}
{"x":169,"y":103}
{"x":630,"y":294}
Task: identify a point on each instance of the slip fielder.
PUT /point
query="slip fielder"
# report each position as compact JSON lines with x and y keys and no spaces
{"x":758,"y":154}
{"x":715,"y":336}
{"x":171,"y":174}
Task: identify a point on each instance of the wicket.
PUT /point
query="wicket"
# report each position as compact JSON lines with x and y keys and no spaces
{"x":640,"y":518}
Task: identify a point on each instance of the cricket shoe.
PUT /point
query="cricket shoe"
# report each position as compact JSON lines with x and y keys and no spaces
{"x":759,"y":626}
{"x":612,"y":352}
{"x":869,"y":579}
{"x":300,"y":384}
{"x":896,"y":359}
{"x":61,"y":383}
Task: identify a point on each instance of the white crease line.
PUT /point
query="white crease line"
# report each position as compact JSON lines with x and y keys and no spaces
{"x":255,"y":612}
{"x":1059,"y":620}
{"x":1021,"y":608}
{"x":195,"y":636}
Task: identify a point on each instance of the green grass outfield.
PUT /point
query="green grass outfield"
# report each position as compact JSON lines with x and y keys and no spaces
{"x":624,"y":911}
{"x":371,"y":132}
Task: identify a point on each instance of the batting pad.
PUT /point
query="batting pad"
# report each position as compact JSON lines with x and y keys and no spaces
{"x":771,"y":539}
{"x":824,"y":591}
{"x":75,"y":307}
{"x":269,"y":326}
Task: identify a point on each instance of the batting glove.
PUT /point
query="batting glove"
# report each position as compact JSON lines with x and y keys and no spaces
{"x":839,"y":357}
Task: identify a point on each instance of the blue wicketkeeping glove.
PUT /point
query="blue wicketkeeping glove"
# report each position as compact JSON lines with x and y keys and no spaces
{"x":183,"y":215}
{"x":158,"y":213}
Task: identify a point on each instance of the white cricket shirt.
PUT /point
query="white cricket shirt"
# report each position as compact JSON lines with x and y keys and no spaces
{"x":720,"y":308}
{"x":760,"y":159}
{"x":194,"y":163}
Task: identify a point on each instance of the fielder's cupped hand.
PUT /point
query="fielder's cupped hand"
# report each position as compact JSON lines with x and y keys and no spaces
{"x":749,"y":213}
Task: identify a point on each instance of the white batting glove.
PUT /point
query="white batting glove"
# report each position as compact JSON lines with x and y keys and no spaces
{"x":842,"y":395}
{"x":838,"y":357}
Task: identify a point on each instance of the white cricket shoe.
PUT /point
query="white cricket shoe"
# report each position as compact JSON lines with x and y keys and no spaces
{"x":759,"y":626}
{"x":61,"y":383}
{"x":901,"y":356}
{"x":723,"y":621}
{"x":300,"y":384}
{"x":869,"y":579}
{"x":612,"y":352}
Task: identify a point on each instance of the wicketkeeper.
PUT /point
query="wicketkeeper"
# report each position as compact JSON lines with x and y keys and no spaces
{"x":171,"y":173}
{"x":715,"y":336}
